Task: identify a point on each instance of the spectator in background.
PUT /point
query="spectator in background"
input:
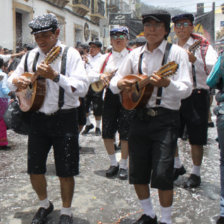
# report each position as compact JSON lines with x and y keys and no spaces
{"x":132,"y":44}
{"x":140,"y":41}
{"x":6,"y":57}
{"x":94,"y":98}
{"x":4,"y":93}
{"x":216,"y":80}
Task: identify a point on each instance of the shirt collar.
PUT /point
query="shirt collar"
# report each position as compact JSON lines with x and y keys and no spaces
{"x":96,"y":56}
{"x":160,"y":48}
{"x":122,"y":53}
{"x":42,"y":53}
{"x":189,"y":42}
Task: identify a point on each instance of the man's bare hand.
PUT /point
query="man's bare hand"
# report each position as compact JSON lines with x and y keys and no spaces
{"x":156,"y":80}
{"x":191,"y":57}
{"x":126,"y":85}
{"x":21,"y":82}
{"x":106,"y":79}
{"x":46,"y":71}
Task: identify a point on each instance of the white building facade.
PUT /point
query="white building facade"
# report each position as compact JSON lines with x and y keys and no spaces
{"x":79,"y":20}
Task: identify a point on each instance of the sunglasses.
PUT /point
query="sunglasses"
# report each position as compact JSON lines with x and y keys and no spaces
{"x":185,"y":24}
{"x":116,"y":37}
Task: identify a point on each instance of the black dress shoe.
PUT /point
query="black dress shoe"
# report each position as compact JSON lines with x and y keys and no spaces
{"x":178,"y":171}
{"x":123,"y":174}
{"x":145,"y":219}
{"x":97,"y":132}
{"x":5,"y":147}
{"x":220,"y":220}
{"x":65,"y":219}
{"x":87,"y":128}
{"x":41,"y":215}
{"x":112,"y":171}
{"x":193,"y":181}
{"x":117,"y":147}
{"x":211,"y":124}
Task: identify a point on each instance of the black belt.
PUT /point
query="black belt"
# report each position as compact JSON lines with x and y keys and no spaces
{"x":64,"y":111}
{"x":146,"y":113}
{"x":200,"y":91}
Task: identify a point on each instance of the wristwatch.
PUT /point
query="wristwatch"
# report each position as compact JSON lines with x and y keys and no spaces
{"x":57,"y":78}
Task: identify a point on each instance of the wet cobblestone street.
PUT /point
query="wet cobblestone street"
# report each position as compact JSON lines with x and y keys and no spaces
{"x":98,"y":199}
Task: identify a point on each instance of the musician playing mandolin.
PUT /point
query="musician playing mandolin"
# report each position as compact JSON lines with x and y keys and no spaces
{"x":55,"y":122}
{"x":154,"y":130}
{"x":194,"y":110}
{"x":115,"y":118}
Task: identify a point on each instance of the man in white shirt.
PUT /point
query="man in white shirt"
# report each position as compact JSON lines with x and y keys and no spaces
{"x":194,"y":110}
{"x":7,"y":57}
{"x":55,"y":122}
{"x":154,"y":130}
{"x":115,"y":118}
{"x":96,"y":98}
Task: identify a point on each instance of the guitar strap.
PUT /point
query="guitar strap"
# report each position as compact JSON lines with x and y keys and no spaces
{"x":164,"y":61}
{"x":105,"y":62}
{"x":63,"y":71}
{"x":107,"y":59}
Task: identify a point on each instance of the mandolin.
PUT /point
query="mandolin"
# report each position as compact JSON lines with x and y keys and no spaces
{"x":32,"y":98}
{"x":141,"y":90}
{"x":98,"y":86}
{"x":195,"y":45}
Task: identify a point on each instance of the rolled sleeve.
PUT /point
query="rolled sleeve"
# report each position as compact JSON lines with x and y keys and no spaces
{"x":75,"y":75}
{"x":123,"y":70}
{"x":19,"y":70}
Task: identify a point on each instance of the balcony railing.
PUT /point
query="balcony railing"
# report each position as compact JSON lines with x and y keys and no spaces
{"x":59,"y":3}
{"x":113,"y":5}
{"x":81,"y":7}
{"x":98,"y":11}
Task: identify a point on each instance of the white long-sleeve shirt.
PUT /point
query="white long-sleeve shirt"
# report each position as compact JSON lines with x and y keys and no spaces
{"x":93,"y":67}
{"x":114,"y":62}
{"x":210,"y":60}
{"x":75,"y":77}
{"x":180,"y":85}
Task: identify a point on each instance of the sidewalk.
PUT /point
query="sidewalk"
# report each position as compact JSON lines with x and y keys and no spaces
{"x":97,"y":199}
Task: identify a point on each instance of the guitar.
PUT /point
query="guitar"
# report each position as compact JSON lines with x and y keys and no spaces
{"x":98,"y":86}
{"x":195,"y":45}
{"x":32,"y":98}
{"x":141,"y":90}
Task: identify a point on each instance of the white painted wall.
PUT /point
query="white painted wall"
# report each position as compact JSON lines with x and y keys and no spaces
{"x":6,"y":25}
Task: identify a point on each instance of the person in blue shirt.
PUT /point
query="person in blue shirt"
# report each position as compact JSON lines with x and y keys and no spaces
{"x":4,"y":91}
{"x":216,"y":80}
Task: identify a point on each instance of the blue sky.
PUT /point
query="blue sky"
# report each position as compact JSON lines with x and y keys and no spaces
{"x":189,"y":5}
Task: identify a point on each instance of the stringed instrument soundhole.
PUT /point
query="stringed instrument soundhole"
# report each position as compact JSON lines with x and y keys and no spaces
{"x":29,"y":92}
{"x":135,"y":96}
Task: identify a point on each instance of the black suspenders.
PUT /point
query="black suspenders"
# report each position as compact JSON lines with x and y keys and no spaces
{"x":63,"y":71}
{"x":164,"y":61}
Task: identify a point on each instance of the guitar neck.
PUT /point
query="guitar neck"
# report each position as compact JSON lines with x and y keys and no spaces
{"x":141,"y":84}
{"x":146,"y":81}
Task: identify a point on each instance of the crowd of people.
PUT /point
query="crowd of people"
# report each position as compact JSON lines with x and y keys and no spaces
{"x":131,"y":97}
